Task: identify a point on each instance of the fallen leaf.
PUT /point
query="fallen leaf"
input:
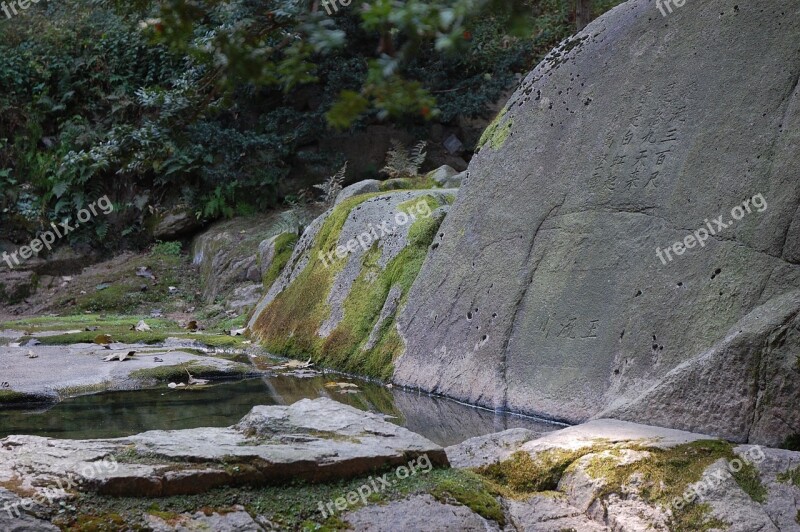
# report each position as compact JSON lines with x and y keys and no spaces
{"x":122,"y":357}
{"x":192,"y":325}
{"x":297,"y":364}
{"x":341,"y":385}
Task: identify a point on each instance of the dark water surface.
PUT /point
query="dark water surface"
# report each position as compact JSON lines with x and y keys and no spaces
{"x":117,"y":414}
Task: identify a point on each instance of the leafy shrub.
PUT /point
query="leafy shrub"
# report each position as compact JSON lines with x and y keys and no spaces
{"x":167,"y":249}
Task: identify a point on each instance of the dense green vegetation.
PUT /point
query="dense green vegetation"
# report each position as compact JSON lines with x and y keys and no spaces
{"x":219,"y":105}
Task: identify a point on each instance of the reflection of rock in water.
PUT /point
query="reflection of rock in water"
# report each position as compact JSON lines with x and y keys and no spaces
{"x":447,"y":423}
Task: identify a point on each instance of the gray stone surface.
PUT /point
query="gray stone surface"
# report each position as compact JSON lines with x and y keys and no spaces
{"x":175,"y":224}
{"x":14,"y":518}
{"x":310,"y":440}
{"x":545,"y":294}
{"x":549,"y":513}
{"x":362,"y":187}
{"x":420,"y":513}
{"x":484,"y":450}
{"x":81,"y":369}
{"x":444,"y":177}
{"x":583,"y":502}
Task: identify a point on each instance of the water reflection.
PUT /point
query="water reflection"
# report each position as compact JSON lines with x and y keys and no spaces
{"x":117,"y":414}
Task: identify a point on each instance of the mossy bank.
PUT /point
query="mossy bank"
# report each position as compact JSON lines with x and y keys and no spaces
{"x":338,"y":295}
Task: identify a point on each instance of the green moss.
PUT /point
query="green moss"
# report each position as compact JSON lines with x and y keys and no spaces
{"x":110,"y":522}
{"x":524,"y":474}
{"x":10,"y":397}
{"x":87,"y":337}
{"x":289,"y":325}
{"x":408,"y":183}
{"x":497,"y":132}
{"x":749,"y":480}
{"x":470,"y":491}
{"x":295,"y":505}
{"x":178,"y":372}
{"x":80,"y":321}
{"x":284,"y":246}
{"x":666,"y":474}
{"x":663,"y":475}
{"x":792,"y":476}
{"x":75,"y":391}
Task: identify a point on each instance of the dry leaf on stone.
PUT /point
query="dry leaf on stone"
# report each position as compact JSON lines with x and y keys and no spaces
{"x":296,"y":364}
{"x":122,"y":357}
{"x":341,"y":385}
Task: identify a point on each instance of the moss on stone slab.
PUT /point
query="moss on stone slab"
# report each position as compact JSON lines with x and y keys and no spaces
{"x":663,"y":475}
{"x":523,"y":474}
{"x":284,"y":246}
{"x":468,"y":489}
{"x":10,"y":397}
{"x":179,"y":372}
{"x":293,"y":506}
{"x":791,"y":476}
{"x":289,"y":325}
{"x":496,"y":134}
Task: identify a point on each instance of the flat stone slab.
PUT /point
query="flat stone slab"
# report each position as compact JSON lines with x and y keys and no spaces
{"x":421,"y":513}
{"x":488,"y":449}
{"x":611,"y":431}
{"x":61,"y":370}
{"x":315,"y":441}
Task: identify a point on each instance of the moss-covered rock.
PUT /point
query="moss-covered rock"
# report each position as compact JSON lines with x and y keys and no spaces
{"x":338,"y":295}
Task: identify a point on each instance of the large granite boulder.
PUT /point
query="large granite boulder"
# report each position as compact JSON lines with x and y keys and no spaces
{"x":583,"y":270}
